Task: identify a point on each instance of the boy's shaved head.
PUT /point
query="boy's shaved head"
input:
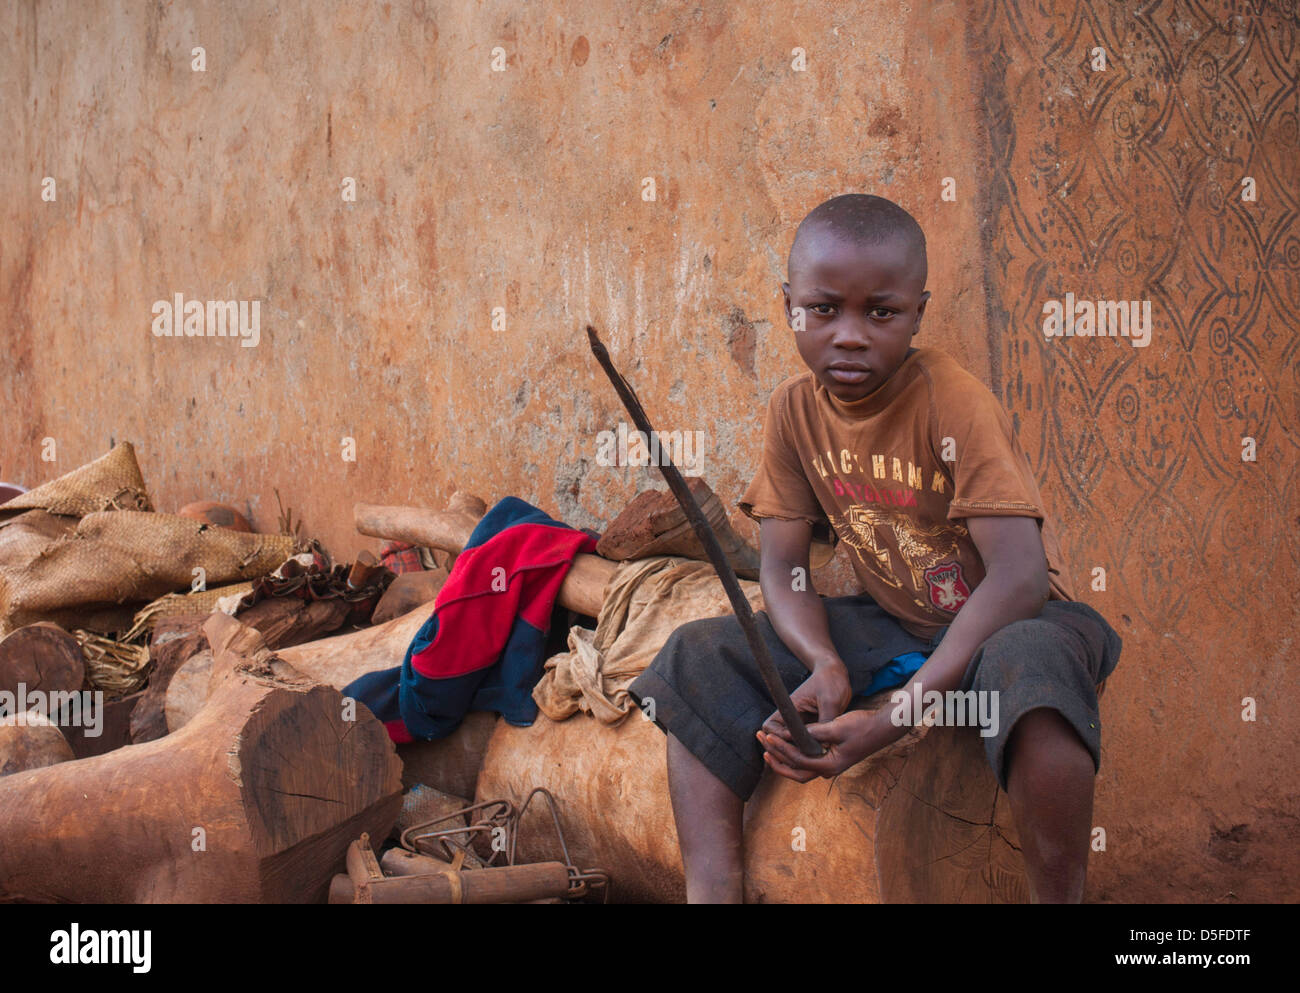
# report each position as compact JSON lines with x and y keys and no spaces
{"x":861,"y":219}
{"x":856,"y":292}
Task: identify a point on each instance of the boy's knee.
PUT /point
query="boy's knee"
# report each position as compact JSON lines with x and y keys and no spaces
{"x":1033,"y":650}
{"x":703,"y":633}
{"x":1049,"y":736}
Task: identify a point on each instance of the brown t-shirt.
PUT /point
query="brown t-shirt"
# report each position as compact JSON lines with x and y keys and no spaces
{"x":894,"y":475}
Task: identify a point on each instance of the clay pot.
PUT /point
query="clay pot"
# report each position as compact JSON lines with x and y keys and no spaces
{"x":220,"y":515}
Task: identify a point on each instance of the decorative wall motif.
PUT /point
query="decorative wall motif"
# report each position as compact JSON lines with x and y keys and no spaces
{"x":1126,"y":184}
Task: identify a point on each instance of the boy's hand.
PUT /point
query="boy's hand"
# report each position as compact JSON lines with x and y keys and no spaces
{"x":826,"y":693}
{"x":848,"y":739}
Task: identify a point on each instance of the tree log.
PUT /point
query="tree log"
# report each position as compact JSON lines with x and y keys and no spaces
{"x":407,"y":592}
{"x":175,"y":641}
{"x":256,"y":799}
{"x":188,"y":690}
{"x":921,"y":821}
{"x":42,"y":657}
{"x":451,"y":764}
{"x":183,"y":661}
{"x":447,"y":529}
{"x":112,"y":729}
{"x":30,"y":741}
{"x":584,"y":585}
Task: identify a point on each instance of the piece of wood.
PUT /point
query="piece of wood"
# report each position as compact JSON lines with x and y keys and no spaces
{"x":188,"y":690}
{"x":41,"y":656}
{"x":655,"y":524}
{"x":333,"y":661}
{"x":584,"y":586}
{"x":461,"y":502}
{"x":407,"y":592}
{"x":337,"y":661}
{"x":445,"y":529}
{"x":280,"y":620}
{"x":450,"y":764}
{"x":364,"y":569}
{"x":921,"y":821}
{"x":288,"y":620}
{"x":255,"y":800}
{"x":31,"y":741}
{"x":111,"y":728}
{"x":175,"y":641}
{"x":498,"y":884}
{"x":583,"y":589}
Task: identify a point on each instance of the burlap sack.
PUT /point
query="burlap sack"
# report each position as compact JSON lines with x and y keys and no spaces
{"x":111,"y":482}
{"x":181,"y":605}
{"x":119,"y":556}
{"x":646,"y":601}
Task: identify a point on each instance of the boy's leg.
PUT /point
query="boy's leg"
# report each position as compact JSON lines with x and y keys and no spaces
{"x":1046,"y":754}
{"x":709,"y":828}
{"x":1049,"y":781}
{"x":703,"y":689}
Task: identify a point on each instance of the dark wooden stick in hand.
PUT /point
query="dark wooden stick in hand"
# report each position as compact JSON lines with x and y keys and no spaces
{"x":766,"y":667}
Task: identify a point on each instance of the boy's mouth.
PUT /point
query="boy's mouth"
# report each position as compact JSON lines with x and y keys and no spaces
{"x":849,"y":373}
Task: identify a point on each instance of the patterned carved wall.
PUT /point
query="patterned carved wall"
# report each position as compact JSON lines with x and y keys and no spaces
{"x":1126,"y":183}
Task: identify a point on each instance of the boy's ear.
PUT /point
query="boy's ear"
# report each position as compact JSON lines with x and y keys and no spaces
{"x":920,"y":311}
{"x":789,"y":317}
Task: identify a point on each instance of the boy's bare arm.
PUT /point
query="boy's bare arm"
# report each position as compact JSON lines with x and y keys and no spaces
{"x":1014,"y":588}
{"x":799,"y":619}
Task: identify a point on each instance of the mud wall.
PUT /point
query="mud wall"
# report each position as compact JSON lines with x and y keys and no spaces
{"x":425,"y":333}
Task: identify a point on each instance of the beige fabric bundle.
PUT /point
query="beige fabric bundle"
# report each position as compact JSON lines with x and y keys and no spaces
{"x":111,"y":482}
{"x":646,"y":601}
{"x":121,"y":555}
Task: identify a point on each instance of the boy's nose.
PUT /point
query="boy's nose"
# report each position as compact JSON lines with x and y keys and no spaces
{"x":850,"y":332}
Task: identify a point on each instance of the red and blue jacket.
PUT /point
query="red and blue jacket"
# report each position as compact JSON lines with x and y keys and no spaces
{"x":483,"y":648}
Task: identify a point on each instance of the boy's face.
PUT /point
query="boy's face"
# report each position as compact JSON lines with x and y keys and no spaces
{"x":861,"y":305}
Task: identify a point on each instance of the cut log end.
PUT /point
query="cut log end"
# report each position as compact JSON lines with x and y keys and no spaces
{"x":271,"y":780}
{"x":42,"y":657}
{"x":30,"y":741}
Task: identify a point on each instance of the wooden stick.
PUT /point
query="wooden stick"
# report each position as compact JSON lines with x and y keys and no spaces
{"x":740,"y":605}
{"x":584,"y":585}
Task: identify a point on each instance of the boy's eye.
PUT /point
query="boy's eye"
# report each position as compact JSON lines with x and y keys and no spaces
{"x":880,"y":312}
{"x":820,"y":308}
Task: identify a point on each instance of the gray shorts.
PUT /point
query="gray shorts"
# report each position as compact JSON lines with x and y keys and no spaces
{"x":708,"y":694}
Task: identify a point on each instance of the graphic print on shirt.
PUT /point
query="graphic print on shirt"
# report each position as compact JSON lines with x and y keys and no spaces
{"x":948,"y":589}
{"x":867,"y":529}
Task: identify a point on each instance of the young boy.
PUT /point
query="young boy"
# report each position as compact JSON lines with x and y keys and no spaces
{"x":910,"y":461}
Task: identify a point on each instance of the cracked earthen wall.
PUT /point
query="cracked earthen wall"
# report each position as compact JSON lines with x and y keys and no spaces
{"x":522,"y":190}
